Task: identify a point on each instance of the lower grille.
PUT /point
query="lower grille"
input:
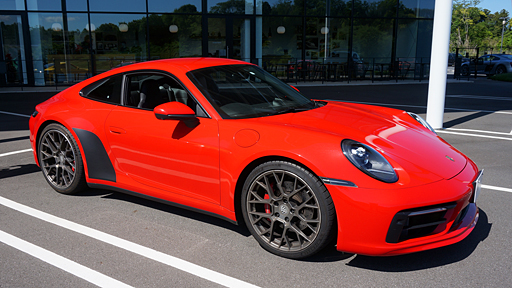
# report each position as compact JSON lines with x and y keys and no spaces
{"x":414,"y":223}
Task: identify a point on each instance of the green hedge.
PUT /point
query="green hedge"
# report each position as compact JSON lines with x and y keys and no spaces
{"x":503,"y":77}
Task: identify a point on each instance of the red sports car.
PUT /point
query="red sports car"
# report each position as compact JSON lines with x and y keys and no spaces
{"x":226,"y":138}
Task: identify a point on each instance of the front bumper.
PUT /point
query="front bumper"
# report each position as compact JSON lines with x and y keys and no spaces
{"x":400,"y":221}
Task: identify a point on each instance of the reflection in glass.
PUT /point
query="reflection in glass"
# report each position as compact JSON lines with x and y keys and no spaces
{"x":278,"y":7}
{"x":76,"y":5}
{"x":118,"y":6}
{"x":44,"y":5}
{"x":48,"y":47}
{"x":12,"y":4}
{"x":375,"y":8}
{"x":279,"y":50}
{"x":230,"y":6}
{"x":217,"y":37}
{"x":166,"y":6}
{"x":416,"y":9}
{"x":113,"y":48}
{"x":185,"y":42}
{"x":373,"y":39}
{"x":12,"y":56}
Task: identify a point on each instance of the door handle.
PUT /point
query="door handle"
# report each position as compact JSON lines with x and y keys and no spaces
{"x":117,"y":130}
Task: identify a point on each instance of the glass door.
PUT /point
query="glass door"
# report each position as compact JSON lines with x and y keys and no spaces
{"x":241,"y":43}
{"x":230,"y":37}
{"x":12,"y":51}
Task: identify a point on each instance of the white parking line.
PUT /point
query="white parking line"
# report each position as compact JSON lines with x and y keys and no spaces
{"x":473,"y":135}
{"x":480,"y":97}
{"x":15,"y":152}
{"x":497,"y":188}
{"x":58,"y":261}
{"x":415,"y":106}
{"x":477,"y":131}
{"x":177,"y":263}
{"x":14,"y":114}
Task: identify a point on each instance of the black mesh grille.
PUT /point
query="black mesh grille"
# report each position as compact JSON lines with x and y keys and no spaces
{"x":416,"y":223}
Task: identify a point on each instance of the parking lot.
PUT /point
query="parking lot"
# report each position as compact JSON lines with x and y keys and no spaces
{"x":114,"y":240}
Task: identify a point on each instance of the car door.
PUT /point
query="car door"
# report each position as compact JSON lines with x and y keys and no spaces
{"x":483,"y":63}
{"x":169,"y":155}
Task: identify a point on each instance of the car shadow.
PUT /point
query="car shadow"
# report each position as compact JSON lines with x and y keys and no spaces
{"x":18,"y":170}
{"x":428,"y":259}
{"x":14,"y":139}
{"x":169,"y":208}
{"x":402,"y":263}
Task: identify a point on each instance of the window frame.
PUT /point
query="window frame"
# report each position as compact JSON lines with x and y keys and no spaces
{"x":125,"y":89}
{"x":85,"y":91}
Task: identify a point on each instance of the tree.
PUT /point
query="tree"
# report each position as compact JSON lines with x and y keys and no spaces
{"x":474,"y":27}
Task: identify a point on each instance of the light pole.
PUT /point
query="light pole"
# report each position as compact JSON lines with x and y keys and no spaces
{"x":502,"y":31}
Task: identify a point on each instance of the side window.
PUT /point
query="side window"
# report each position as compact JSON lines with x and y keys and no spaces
{"x":148,"y":90}
{"x":106,"y":90}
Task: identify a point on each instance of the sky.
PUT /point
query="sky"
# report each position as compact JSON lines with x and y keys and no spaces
{"x":496,"y":5}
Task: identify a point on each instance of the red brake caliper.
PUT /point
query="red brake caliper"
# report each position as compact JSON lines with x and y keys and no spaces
{"x":267,"y":206}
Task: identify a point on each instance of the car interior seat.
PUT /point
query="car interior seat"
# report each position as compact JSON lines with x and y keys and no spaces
{"x":150,"y":96}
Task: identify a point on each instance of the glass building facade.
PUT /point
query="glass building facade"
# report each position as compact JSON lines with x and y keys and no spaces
{"x":61,"y":42}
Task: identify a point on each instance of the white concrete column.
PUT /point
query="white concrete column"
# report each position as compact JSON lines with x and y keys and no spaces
{"x":439,"y":62}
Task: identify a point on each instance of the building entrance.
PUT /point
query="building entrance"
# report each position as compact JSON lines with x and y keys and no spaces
{"x":233,"y":37}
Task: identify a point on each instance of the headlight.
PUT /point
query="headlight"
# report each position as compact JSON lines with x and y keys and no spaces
{"x":422,"y":121}
{"x":369,"y":161}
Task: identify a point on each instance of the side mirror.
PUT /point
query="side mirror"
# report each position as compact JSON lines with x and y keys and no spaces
{"x":173,"y":111}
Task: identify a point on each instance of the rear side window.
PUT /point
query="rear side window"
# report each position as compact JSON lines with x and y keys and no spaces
{"x":105,"y":90}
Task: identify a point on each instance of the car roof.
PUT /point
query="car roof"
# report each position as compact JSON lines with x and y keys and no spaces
{"x":184,"y":64}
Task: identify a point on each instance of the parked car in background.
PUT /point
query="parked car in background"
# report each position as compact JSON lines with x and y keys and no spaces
{"x":488,"y":64}
{"x":452,"y":57}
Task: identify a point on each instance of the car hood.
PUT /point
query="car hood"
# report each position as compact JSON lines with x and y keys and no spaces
{"x":394,"y":133}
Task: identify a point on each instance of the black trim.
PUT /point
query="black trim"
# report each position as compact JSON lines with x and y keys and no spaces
{"x":415,"y":223}
{"x":140,"y":195}
{"x":98,"y":162}
{"x":338,"y":182}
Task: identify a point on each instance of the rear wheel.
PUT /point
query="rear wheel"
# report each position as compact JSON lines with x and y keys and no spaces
{"x":60,"y":160}
{"x":501,"y":69}
{"x":287,"y":209}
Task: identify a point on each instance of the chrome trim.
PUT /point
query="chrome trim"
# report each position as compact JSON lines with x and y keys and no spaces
{"x":429,"y":211}
{"x":338,"y":182}
{"x":477,"y":186}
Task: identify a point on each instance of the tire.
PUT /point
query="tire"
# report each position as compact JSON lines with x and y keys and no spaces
{"x":464,"y":70}
{"x":501,"y":69}
{"x":60,"y":160}
{"x":287,"y":209}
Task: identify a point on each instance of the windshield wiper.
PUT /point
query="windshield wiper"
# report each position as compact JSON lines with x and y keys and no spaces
{"x":293,"y":110}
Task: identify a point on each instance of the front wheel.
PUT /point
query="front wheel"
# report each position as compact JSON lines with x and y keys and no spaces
{"x":465,"y":70}
{"x":60,"y":160}
{"x":287,"y":209}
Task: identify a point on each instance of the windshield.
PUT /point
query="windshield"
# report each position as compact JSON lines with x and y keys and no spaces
{"x":246,"y":91}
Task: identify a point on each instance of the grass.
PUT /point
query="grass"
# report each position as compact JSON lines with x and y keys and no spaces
{"x":503,"y":77}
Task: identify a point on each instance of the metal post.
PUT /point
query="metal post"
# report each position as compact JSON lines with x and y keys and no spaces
{"x":502,"y":31}
{"x":439,"y":63}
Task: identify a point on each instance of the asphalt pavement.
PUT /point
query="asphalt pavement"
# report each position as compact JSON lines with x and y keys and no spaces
{"x":100,"y":238}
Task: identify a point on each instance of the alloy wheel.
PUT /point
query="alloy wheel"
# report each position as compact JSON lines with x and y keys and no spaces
{"x":283,"y":210}
{"x":58,"y":159}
